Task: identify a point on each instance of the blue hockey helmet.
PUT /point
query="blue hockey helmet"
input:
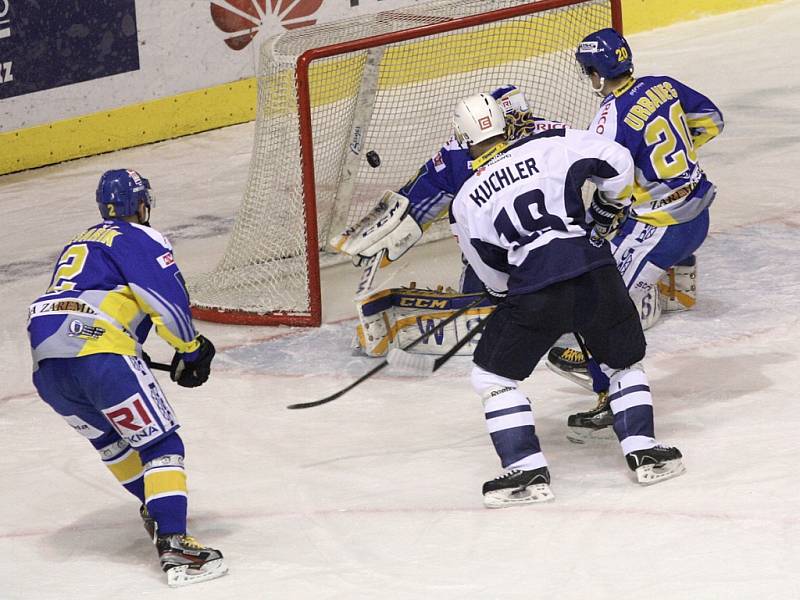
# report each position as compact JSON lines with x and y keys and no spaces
{"x":120,"y":191}
{"x":606,"y":52}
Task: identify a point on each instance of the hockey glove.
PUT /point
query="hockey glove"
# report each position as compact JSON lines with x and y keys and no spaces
{"x":606,"y":220}
{"x":388,"y":226}
{"x":192,"y":369}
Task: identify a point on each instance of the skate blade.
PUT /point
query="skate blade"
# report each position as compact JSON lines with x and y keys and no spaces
{"x":530,"y":495}
{"x":650,"y":474}
{"x":583,"y":380}
{"x":187,"y":575}
{"x":583,"y":435}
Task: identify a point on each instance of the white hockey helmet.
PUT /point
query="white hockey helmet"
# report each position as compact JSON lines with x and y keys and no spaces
{"x":477,"y":118}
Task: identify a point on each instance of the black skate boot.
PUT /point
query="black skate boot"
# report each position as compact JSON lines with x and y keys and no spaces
{"x":148,"y":522}
{"x":518,"y":487}
{"x":655,"y":464}
{"x":570,"y":364}
{"x":186,"y":561}
{"x":593,"y":424}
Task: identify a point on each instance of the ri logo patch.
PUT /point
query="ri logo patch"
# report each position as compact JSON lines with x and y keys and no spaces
{"x":134,"y":421}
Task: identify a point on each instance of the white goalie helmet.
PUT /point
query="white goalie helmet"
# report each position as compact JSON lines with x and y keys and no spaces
{"x":477,"y":118}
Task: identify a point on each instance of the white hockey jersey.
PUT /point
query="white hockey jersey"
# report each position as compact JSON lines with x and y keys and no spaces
{"x":520,"y":219}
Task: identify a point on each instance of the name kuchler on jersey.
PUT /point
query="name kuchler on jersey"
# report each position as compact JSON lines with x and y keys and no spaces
{"x":520,"y":219}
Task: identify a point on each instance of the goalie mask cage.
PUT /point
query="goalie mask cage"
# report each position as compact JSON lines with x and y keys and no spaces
{"x":388,"y":82}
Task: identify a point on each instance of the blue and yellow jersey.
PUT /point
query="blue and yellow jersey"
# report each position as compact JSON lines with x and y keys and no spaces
{"x":662,"y":122}
{"x":111,"y":284}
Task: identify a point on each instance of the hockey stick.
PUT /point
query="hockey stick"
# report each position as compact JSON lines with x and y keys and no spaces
{"x":159,"y":366}
{"x":365,"y":285}
{"x":424,"y":364}
{"x":592,"y":366}
{"x":582,"y":345}
{"x":383,"y":363}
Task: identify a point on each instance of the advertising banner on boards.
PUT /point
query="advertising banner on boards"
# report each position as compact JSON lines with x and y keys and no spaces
{"x":46,"y":45}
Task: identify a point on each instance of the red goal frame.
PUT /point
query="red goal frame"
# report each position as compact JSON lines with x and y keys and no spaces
{"x":313,"y":318}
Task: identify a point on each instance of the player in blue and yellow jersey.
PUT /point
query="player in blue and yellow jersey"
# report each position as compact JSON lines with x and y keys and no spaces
{"x":662,"y":122}
{"x":111,"y":285}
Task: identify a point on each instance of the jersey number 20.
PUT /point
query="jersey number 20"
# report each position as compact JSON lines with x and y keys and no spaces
{"x":668,"y":159}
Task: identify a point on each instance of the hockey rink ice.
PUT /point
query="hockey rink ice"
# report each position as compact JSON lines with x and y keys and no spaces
{"x":377,"y":495}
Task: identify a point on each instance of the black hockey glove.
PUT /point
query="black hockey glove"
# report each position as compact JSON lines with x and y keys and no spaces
{"x":194,"y":372}
{"x":606,"y":219}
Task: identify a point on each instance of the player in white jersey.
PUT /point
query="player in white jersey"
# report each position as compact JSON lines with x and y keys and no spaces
{"x":521,"y":223}
{"x":662,"y":122}
{"x":397,"y":222}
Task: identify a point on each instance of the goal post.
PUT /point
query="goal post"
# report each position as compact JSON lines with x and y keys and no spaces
{"x":386,"y":82}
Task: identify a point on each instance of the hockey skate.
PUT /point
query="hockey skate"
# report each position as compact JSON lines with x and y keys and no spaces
{"x":186,"y":561}
{"x":148,"y":522}
{"x":570,"y":364}
{"x":655,"y":464}
{"x":518,"y":487}
{"x":593,"y":424}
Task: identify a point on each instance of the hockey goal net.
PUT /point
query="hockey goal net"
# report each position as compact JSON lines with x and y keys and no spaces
{"x":387,"y":83}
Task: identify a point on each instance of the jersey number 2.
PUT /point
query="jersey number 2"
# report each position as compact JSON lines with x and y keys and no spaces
{"x":69,"y":265}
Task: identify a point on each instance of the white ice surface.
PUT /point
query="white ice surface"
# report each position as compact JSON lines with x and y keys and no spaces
{"x":377,"y":495}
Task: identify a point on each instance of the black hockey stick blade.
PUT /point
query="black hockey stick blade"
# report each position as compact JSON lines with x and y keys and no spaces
{"x":341,"y":392}
{"x":383,"y":363}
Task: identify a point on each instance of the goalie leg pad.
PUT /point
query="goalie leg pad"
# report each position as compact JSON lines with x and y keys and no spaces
{"x":395,"y":317}
{"x":678,"y":286}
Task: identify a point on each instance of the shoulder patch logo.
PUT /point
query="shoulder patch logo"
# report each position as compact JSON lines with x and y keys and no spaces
{"x":165,"y":260}
{"x":438,"y":162}
{"x":244,"y":18}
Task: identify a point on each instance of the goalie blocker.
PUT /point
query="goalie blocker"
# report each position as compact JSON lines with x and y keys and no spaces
{"x":393,"y":318}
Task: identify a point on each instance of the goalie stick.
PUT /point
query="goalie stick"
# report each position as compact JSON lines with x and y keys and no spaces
{"x":368,"y":274}
{"x":365,"y":286}
{"x":383,"y":363}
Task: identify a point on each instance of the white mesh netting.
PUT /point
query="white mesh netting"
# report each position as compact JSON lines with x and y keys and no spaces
{"x":399,"y":98}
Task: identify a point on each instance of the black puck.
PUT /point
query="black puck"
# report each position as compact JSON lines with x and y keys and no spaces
{"x":373,"y":159}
